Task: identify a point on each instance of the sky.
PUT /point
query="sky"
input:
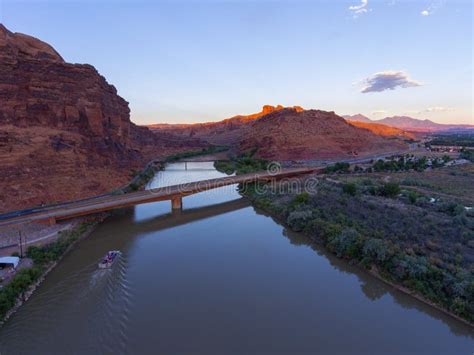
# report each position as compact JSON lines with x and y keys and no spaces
{"x":193,"y":61}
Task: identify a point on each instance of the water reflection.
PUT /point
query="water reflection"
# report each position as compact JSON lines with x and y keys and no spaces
{"x":218,"y":278}
{"x":372,"y":287}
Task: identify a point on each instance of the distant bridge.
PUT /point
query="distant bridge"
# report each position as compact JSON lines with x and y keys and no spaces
{"x":174,"y":193}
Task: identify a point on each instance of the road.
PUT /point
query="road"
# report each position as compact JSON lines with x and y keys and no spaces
{"x":173,"y":193}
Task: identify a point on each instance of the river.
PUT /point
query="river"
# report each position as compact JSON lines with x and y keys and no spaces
{"x":218,"y":278}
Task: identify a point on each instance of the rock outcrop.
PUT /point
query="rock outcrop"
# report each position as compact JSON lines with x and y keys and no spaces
{"x":226,"y":132}
{"x":289,"y":133}
{"x":65,"y":133}
{"x":383,"y":130}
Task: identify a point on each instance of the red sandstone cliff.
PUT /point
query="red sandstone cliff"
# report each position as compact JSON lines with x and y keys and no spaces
{"x":226,"y":132}
{"x":291,"y":133}
{"x":311,"y":134}
{"x":383,"y":130}
{"x":64,"y":131}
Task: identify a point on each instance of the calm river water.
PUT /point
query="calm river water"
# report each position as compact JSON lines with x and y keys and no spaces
{"x":218,"y":278}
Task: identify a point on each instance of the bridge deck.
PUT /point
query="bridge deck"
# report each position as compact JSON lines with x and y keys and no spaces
{"x":111,"y":202}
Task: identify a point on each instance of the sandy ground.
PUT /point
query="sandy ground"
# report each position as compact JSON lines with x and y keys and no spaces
{"x":31,"y":234}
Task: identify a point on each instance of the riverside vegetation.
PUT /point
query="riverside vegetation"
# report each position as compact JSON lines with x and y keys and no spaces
{"x":141,"y":178}
{"x":396,"y":233}
{"x":43,"y":258}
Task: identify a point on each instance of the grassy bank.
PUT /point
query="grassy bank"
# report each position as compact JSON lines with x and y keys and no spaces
{"x":195,"y":153}
{"x":242,"y":164}
{"x":141,"y":178}
{"x":407,"y":241}
{"x":44,"y":259}
{"x":397,"y":233}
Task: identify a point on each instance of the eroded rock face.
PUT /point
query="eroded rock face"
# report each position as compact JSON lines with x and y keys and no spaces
{"x":229,"y":131}
{"x":62,"y":122}
{"x":291,"y":134}
{"x":39,"y":88}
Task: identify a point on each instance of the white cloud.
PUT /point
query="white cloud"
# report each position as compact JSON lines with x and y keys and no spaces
{"x":359,"y":9}
{"x":379,"y":112}
{"x":437,"y":109}
{"x":388,"y":80}
{"x":431,"y":9}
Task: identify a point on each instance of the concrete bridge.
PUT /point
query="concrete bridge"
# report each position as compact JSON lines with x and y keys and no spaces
{"x":173,"y":193}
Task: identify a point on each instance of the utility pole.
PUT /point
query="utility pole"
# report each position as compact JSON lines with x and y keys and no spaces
{"x":21,"y":245}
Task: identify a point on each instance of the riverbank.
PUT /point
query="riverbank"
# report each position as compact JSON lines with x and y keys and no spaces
{"x":52,"y":243}
{"x":46,"y":258}
{"x":414,"y":248}
{"x":296,"y":285}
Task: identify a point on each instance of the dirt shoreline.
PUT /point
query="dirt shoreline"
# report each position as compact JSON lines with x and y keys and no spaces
{"x":373,"y":272}
{"x":418,"y":297}
{"x":140,"y":181}
{"x":26,"y":295}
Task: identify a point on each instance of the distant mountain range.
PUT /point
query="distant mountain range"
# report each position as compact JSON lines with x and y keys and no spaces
{"x":409,"y":123}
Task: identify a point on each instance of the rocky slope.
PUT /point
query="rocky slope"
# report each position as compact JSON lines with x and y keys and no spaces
{"x":357,"y":117}
{"x":383,"y":130}
{"x":312,"y":134}
{"x":64,"y":131}
{"x":226,"y":132}
{"x":290,"y":133}
{"x":407,"y":123}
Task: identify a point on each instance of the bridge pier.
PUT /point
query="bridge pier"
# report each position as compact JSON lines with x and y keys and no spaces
{"x":177,"y":203}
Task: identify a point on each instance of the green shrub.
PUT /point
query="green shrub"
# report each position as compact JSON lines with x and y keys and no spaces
{"x":339,"y":167}
{"x":376,"y":250}
{"x":349,"y":188}
{"x":297,"y":219}
{"x":225,"y":166}
{"x":412,"y":196}
{"x":53,"y":251}
{"x":302,"y":198}
{"x":389,"y":189}
{"x":346,"y":244}
{"x":23,"y":279}
{"x":451,"y":208}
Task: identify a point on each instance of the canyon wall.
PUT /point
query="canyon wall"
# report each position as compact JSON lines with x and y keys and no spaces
{"x":65,"y":133}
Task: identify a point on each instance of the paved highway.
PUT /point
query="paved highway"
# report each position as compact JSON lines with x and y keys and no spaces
{"x":173,"y":193}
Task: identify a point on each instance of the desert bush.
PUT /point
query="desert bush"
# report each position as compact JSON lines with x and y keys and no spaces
{"x":17,"y":286}
{"x":412,"y":196}
{"x":349,"y":188}
{"x":347,"y":243}
{"x":389,"y":189}
{"x":339,"y":167}
{"x":302,"y":198}
{"x":376,"y":250}
{"x":451,"y":208}
{"x":297,"y":219}
{"x":225,"y":166}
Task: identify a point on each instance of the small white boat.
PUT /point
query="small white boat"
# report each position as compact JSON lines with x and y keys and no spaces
{"x":109,"y":258}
